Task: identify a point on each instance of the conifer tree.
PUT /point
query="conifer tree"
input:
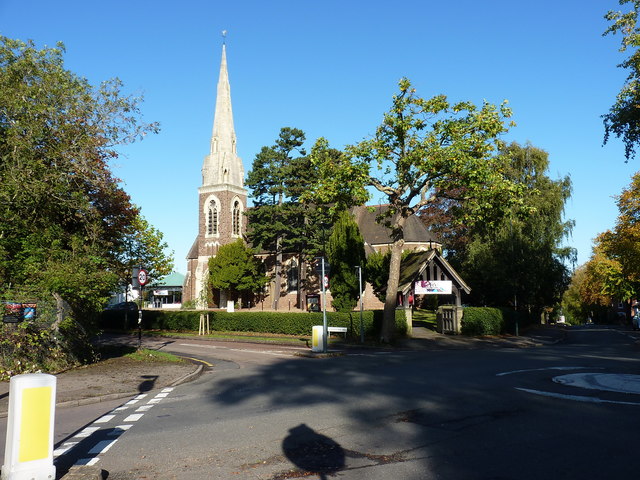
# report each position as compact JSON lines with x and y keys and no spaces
{"x":345,"y":251}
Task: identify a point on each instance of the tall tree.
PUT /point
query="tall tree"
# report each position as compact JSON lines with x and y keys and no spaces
{"x":424,"y":149}
{"x":63,"y":216}
{"x":621,"y":246}
{"x":144,"y":245}
{"x":345,"y":251}
{"x":279,"y":222}
{"x":235,"y":270}
{"x":522,"y":261}
{"x":623,"y":119}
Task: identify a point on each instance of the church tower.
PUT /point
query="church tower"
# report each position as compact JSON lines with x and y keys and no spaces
{"x":222,"y":196}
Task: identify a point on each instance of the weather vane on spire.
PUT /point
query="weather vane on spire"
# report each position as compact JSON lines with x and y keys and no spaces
{"x":224,"y":37}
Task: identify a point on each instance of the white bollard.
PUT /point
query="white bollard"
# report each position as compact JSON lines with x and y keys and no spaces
{"x":28,"y":453}
{"x":317,"y":338}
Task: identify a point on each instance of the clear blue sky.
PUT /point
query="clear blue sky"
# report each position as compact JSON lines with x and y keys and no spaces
{"x":330,"y":69}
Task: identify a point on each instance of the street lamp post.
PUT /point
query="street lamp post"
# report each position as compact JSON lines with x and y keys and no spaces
{"x":359,"y":267}
{"x":325,"y":337}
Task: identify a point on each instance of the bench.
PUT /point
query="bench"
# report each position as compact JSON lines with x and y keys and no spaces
{"x":331,"y":330}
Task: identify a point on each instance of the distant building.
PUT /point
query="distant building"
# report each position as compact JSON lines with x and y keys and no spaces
{"x":166,"y":292}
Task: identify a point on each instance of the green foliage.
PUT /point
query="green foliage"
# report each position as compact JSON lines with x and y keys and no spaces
{"x":144,"y":245}
{"x":263,"y":322}
{"x":235,"y":269}
{"x":617,"y":252}
{"x":491,"y":321}
{"x":63,"y":216}
{"x":378,"y":272}
{"x":424,"y":149}
{"x":521,"y":259}
{"x":623,"y":119}
{"x":279,"y":222}
{"x":345,"y":251}
{"x":31,"y":347}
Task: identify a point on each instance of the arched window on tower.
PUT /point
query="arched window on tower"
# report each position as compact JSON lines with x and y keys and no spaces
{"x":212,"y":219}
{"x":236,"y":218}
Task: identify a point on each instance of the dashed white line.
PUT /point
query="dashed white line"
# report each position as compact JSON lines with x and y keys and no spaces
{"x":105,"y":419}
{"x":134,"y":417}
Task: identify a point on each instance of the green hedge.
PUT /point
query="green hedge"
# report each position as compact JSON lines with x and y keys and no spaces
{"x":263,"y":322}
{"x":491,"y":321}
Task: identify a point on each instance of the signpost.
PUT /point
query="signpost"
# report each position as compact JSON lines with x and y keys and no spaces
{"x":143,"y":278}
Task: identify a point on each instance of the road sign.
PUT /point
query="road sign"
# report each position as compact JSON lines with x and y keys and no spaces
{"x":143,"y":277}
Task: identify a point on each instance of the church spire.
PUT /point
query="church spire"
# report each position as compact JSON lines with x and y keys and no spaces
{"x":222,"y":165}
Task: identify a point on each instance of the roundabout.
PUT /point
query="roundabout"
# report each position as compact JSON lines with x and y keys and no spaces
{"x":587,"y":386}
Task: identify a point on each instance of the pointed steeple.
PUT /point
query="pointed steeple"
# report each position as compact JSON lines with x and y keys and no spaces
{"x":222,"y":165}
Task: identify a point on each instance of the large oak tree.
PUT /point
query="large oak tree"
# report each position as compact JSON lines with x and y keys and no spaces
{"x":424,"y":149}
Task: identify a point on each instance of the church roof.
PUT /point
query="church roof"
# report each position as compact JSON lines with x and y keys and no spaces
{"x":414,"y":264}
{"x":193,"y":251}
{"x":375,"y":233}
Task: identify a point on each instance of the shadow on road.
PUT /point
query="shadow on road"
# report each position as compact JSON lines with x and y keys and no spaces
{"x":313,"y":452}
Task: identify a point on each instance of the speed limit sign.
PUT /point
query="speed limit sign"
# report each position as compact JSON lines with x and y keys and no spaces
{"x":143,"y":277}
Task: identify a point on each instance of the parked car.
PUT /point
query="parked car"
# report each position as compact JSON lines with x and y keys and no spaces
{"x":123,"y":306}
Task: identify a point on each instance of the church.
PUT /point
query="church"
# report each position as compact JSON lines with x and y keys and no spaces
{"x":222,"y":198}
{"x":222,"y":202}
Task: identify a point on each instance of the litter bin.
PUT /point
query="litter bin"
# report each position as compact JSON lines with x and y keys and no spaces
{"x":317,"y":338}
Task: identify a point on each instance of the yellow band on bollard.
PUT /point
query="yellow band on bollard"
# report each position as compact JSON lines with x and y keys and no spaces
{"x":34,"y":424}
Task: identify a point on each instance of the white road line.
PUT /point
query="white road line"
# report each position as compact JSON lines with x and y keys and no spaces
{"x":141,"y":396}
{"x":578,"y":398}
{"x":540,"y":370}
{"x":65,"y":447}
{"x":167,"y":390}
{"x":132,"y":402}
{"x":277,"y":353}
{"x":87,"y":431}
{"x":87,"y":461}
{"x":134,"y":418}
{"x":154,"y":400}
{"x":102,"y":446}
{"x":105,"y":419}
{"x":161,"y":395}
{"x":144,"y":408}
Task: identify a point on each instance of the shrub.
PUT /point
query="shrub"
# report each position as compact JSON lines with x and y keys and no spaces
{"x":286,"y":323}
{"x":492,"y":321}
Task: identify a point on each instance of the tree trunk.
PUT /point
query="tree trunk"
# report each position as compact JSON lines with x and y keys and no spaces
{"x":61,"y":309}
{"x":391,"y":299}
{"x":302,"y":278}
{"x":278,"y":274}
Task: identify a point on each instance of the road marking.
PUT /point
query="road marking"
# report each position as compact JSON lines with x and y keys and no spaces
{"x":105,"y":419}
{"x":101,"y":429}
{"x":102,"y":446}
{"x":87,"y":431}
{"x":578,"y":398}
{"x":198,"y":360}
{"x":540,"y":370}
{"x":134,"y":417}
{"x":276,"y":353}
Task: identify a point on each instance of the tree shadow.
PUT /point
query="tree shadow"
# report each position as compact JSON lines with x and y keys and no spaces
{"x":313,"y":452}
{"x":148,"y":383}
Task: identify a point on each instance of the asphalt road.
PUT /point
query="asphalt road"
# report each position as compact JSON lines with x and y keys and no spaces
{"x":567,"y":411}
